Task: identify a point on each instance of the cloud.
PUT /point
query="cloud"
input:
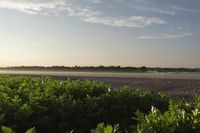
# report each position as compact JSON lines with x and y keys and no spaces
{"x":166,"y":36}
{"x":148,"y":37}
{"x":85,"y":14}
{"x":158,"y":11}
{"x":95,"y":1}
{"x":34,"y":6}
{"x":160,"y":7}
{"x":145,"y":6}
{"x":81,"y":12}
{"x":132,"y":21}
{"x":182,"y":9}
{"x":175,"y":36}
{"x":88,"y":15}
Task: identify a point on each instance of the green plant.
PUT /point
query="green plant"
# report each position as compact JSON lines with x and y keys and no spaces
{"x":179,"y":119}
{"x":52,"y":105}
{"x":9,"y":130}
{"x":6,"y":130}
{"x":101,"y":128}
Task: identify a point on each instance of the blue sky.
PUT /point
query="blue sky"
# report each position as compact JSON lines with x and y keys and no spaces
{"x":157,"y":33}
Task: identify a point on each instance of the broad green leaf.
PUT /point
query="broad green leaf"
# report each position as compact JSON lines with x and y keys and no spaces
{"x":6,"y":130}
{"x":108,"y":129}
{"x":32,"y":130}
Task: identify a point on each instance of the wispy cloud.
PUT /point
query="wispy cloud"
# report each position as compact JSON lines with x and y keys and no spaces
{"x":34,"y":7}
{"x":145,"y":6}
{"x":95,"y":1}
{"x":159,"y":7}
{"x":81,"y":12}
{"x":166,"y":36}
{"x":182,"y":9}
{"x":85,"y":14}
{"x":148,"y":37}
{"x":157,"y":10}
{"x":132,"y":21}
{"x":178,"y":35}
{"x":88,"y":15}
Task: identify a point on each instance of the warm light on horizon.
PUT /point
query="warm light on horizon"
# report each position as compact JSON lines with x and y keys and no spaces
{"x":88,"y":33}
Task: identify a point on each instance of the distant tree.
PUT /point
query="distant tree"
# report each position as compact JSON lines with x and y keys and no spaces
{"x":143,"y":69}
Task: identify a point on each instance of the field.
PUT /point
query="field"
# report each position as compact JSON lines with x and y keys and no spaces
{"x":44,"y":104}
{"x":177,"y":85}
{"x":99,"y":102}
{"x":153,"y":75}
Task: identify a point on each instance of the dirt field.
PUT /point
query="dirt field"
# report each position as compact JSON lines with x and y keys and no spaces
{"x":176,"y":85}
{"x":153,"y":75}
{"x":177,"y":88}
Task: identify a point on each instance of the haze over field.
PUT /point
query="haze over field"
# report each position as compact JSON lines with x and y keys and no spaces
{"x":156,"y":33}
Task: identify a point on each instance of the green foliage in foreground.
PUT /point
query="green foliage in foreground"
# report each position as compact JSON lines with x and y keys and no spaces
{"x":180,"y":118}
{"x":57,"y":106}
{"x":101,"y":128}
{"x":9,"y":130}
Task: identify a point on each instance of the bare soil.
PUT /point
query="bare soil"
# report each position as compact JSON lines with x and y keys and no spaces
{"x":176,"y":85}
{"x":177,"y":88}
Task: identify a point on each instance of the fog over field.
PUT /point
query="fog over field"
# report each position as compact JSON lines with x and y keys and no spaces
{"x":106,"y":74}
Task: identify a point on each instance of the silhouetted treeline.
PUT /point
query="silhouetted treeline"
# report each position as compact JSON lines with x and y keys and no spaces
{"x":103,"y":69}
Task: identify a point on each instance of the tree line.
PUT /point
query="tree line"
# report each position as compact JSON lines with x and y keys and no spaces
{"x":102,"y":69}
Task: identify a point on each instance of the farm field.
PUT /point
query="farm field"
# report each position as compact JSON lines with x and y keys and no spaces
{"x":106,"y":74}
{"x":177,"y":85}
{"x":43,"y":104}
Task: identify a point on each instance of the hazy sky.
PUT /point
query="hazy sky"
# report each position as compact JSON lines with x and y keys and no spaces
{"x":163,"y":33}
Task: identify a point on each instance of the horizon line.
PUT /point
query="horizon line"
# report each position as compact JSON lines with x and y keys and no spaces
{"x":121,"y":66}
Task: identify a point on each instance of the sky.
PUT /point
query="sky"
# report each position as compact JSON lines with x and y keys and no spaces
{"x":153,"y":33}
